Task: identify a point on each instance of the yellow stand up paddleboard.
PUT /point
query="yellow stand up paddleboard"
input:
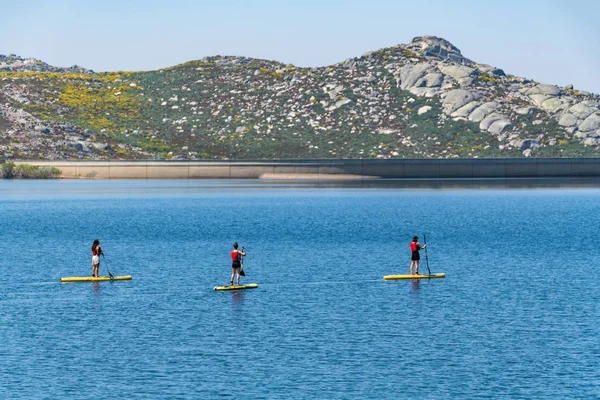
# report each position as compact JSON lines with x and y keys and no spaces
{"x":397,"y":277}
{"x":94,"y":279}
{"x":237,"y":287}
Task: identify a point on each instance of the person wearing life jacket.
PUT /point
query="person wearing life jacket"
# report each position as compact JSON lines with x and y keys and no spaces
{"x":96,"y":251}
{"x":414,"y":248}
{"x":236,"y":265}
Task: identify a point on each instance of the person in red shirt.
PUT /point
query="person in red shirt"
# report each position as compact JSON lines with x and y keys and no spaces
{"x":415,"y":257}
{"x":96,"y":251}
{"x":236,"y":265}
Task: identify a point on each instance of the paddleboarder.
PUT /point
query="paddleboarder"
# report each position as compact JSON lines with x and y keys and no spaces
{"x":236,"y":265}
{"x":415,"y":246}
{"x":96,"y":251}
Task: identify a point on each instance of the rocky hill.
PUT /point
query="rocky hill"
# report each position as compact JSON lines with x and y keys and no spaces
{"x":419,"y":100}
{"x":13,"y":62}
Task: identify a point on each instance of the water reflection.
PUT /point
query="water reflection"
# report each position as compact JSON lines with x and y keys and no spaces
{"x":237,"y":296}
{"x":96,"y":289}
{"x":23,"y":189}
{"x":414,"y":287}
{"x":437,"y":183}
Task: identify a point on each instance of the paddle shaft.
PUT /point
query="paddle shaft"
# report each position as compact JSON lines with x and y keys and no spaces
{"x":242,"y":264}
{"x":426,"y":254}
{"x":105,"y":262}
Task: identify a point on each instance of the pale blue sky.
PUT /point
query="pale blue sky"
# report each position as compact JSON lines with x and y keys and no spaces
{"x":552,"y":41}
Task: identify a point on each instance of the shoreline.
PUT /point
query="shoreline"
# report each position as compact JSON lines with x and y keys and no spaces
{"x":460,"y":171}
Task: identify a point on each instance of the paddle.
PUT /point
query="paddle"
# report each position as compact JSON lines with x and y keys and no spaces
{"x":426,"y":255}
{"x":105,"y":262}
{"x":242,"y":273}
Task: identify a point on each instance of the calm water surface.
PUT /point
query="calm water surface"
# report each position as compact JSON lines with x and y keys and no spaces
{"x":517,"y":316}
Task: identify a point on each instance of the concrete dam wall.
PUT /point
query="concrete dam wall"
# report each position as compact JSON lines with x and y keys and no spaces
{"x":329,"y":169}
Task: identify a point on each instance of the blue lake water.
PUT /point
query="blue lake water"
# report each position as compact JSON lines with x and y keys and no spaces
{"x":517,"y":316}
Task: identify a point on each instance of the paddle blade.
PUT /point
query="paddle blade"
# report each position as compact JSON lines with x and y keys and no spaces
{"x":242,"y":273}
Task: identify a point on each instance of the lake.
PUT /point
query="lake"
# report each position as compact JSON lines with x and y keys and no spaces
{"x":516,"y":317}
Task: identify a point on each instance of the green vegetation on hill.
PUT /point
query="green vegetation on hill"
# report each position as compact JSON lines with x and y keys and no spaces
{"x":391,"y":103}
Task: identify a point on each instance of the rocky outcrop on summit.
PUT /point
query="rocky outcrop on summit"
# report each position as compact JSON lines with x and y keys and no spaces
{"x":13,"y":62}
{"x":437,"y":68}
{"x":436,"y":48}
{"x":419,"y":100}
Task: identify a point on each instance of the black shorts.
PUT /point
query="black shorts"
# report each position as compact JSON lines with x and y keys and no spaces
{"x":415,"y":256}
{"x":236,"y":264}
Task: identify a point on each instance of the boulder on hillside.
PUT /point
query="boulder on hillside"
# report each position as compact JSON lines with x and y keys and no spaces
{"x":101,"y":146}
{"x":555,"y":104}
{"x":567,"y":120}
{"x":44,"y":130}
{"x":591,"y":123}
{"x":458,"y":72}
{"x":498,"y":126}
{"x":497,"y":72}
{"x":423,"y":110}
{"x":430,"y":80}
{"x":455,"y":99}
{"x":494,"y":123}
{"x":547,"y":90}
{"x":410,"y":74}
{"x":584,"y":109}
{"x":75,"y":146}
{"x":465,"y":110}
{"x":526,"y":144}
{"x":483,"y":111}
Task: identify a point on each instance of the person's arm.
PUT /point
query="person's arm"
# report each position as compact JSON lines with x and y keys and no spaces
{"x":243,"y":252}
{"x":100,"y":250}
